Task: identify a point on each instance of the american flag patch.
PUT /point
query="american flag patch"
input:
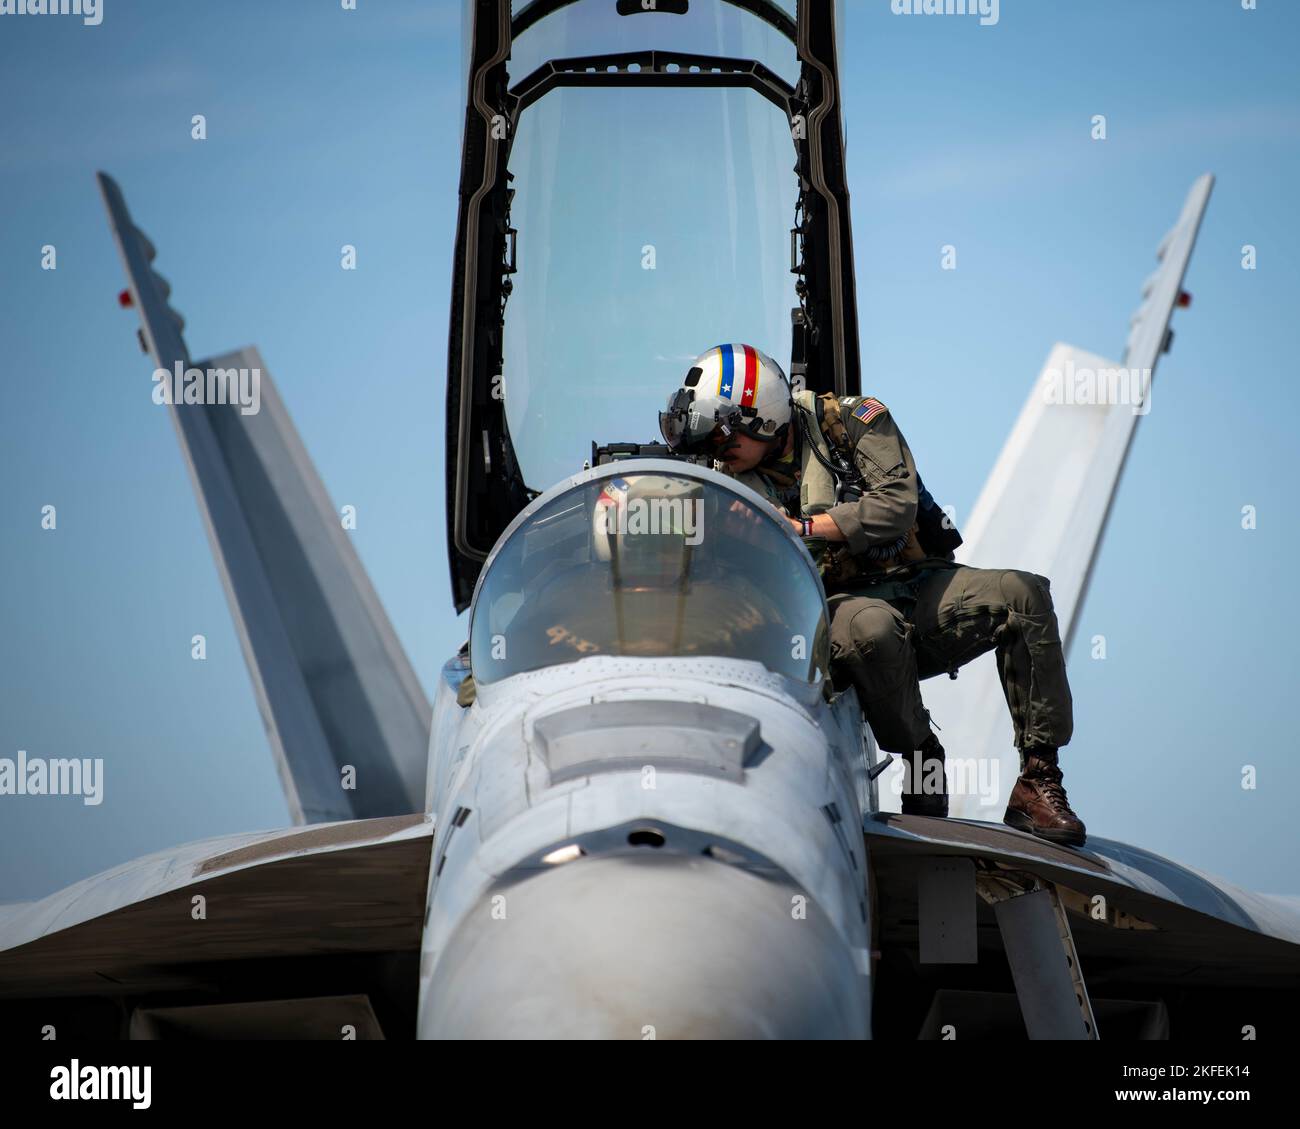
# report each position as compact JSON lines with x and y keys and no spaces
{"x":868,"y":409}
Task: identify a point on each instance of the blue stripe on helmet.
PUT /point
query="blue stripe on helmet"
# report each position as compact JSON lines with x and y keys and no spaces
{"x":728,"y":371}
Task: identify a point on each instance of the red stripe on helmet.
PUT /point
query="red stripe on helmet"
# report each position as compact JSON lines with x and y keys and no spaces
{"x":751,"y":378}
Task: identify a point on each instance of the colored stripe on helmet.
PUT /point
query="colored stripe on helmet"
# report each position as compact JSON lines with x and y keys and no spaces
{"x":751,"y":378}
{"x":727,"y":377}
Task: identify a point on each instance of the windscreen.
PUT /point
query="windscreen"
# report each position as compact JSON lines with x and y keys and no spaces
{"x":653,"y":225}
{"x":649,"y":565}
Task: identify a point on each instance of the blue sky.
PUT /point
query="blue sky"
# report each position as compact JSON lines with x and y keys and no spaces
{"x":329,"y":127}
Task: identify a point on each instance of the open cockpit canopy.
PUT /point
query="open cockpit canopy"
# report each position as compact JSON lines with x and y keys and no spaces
{"x":641,"y":179}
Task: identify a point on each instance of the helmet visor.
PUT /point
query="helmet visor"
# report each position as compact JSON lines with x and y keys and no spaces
{"x":683,"y":428}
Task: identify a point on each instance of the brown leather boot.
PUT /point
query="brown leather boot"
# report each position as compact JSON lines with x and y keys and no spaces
{"x":925,"y":791}
{"x":1038,"y":801}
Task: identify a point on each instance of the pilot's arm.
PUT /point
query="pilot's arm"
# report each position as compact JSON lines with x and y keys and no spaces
{"x":887,"y":509}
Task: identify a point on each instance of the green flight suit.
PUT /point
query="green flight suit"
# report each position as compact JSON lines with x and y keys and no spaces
{"x":901,"y":620}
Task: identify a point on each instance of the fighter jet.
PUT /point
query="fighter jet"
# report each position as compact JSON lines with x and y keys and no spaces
{"x":637,"y":807}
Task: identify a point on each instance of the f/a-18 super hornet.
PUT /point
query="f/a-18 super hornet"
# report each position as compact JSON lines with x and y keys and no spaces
{"x":636,"y":806}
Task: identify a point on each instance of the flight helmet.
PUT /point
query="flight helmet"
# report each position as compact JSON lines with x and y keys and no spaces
{"x":733,"y":387}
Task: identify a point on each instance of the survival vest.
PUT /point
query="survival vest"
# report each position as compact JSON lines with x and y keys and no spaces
{"x":931,"y":535}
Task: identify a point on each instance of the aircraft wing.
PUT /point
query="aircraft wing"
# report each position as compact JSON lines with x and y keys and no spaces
{"x":277,"y":934}
{"x":316,"y":933}
{"x":1045,"y":504}
{"x":333,"y":683}
{"x":986,"y":932}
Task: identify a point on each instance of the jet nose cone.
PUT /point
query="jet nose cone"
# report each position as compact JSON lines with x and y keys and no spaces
{"x":635,"y":948}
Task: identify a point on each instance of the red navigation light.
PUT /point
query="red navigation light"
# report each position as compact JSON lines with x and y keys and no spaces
{"x":124,"y":299}
{"x":1184,"y":299}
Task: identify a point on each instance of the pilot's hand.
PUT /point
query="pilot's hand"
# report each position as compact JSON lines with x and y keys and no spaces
{"x":746,"y":510}
{"x":747,"y":523}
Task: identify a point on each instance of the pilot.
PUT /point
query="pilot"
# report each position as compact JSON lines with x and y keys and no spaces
{"x":901,"y":608}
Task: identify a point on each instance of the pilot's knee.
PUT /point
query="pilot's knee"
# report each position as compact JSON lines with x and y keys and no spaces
{"x":878,"y":630}
{"x":1026,"y":591}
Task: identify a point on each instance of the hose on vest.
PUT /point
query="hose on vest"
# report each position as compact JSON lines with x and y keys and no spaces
{"x":850,"y":474}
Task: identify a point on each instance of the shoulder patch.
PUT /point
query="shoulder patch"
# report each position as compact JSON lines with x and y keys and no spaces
{"x":868,"y":409}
